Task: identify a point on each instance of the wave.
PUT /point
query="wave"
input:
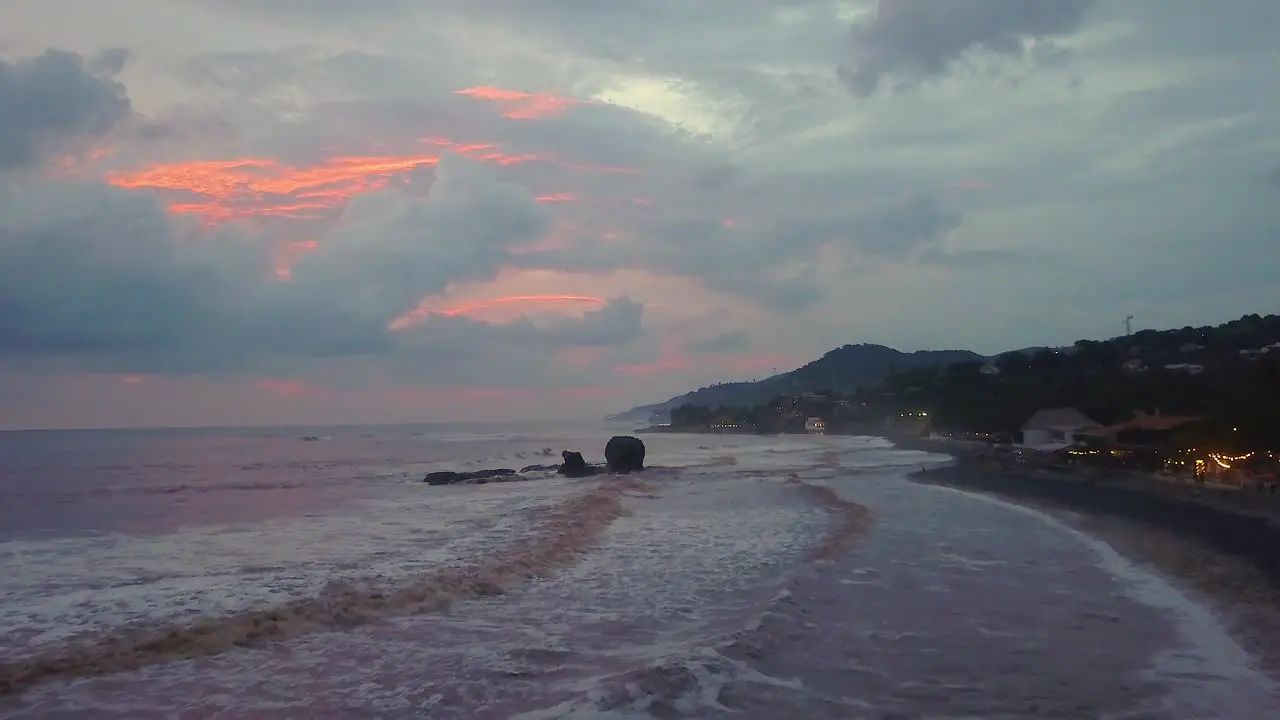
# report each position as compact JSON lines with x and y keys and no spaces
{"x":568,"y":530}
{"x":692,"y":683}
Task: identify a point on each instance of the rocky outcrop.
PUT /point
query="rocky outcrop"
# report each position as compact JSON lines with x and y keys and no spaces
{"x":449,"y":477}
{"x":574,"y":465}
{"x":538,"y":468}
{"x":624,"y":453}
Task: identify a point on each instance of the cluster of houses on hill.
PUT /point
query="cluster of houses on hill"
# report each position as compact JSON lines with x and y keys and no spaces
{"x":1167,"y":444}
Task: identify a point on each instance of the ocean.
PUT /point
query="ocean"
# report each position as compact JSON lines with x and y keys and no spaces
{"x":309,"y":573}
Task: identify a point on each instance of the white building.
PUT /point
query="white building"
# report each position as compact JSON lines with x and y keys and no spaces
{"x":1055,"y":426}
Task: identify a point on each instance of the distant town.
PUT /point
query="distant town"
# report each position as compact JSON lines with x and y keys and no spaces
{"x":1195,"y":404}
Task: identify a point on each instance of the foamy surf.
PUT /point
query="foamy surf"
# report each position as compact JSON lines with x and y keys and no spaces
{"x":749,"y":577}
{"x":561,"y":535}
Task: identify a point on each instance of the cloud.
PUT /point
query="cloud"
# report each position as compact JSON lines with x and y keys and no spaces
{"x":99,"y":278}
{"x":54,"y":98}
{"x":467,"y":192}
{"x":913,"y":39}
{"x":95,"y":273}
{"x":390,"y":249}
{"x":725,"y":343}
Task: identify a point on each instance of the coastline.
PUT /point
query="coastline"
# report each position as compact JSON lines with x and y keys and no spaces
{"x":1218,"y":545}
{"x":1237,"y":523}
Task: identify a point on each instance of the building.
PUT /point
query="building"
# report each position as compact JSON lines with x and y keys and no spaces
{"x":1159,"y":431}
{"x":815,"y":425}
{"x":1134,"y":365}
{"x":1153,"y":432}
{"x":989,"y":370}
{"x":1055,"y":426}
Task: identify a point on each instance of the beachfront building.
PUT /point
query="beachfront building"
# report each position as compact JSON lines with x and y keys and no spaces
{"x":815,"y":425}
{"x":1148,"y":431}
{"x":1052,"y":428}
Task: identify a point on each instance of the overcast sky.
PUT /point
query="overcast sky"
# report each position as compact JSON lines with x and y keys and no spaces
{"x":321,"y":211}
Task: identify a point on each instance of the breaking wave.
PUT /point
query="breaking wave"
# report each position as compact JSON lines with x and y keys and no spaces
{"x":564,"y":533}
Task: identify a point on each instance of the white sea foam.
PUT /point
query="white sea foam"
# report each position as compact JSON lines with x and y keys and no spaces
{"x":59,"y":588}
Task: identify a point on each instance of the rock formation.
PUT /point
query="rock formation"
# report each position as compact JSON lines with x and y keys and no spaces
{"x":624,"y":453}
{"x":573,"y":465}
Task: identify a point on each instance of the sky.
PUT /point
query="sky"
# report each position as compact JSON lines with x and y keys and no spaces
{"x":231,"y":212}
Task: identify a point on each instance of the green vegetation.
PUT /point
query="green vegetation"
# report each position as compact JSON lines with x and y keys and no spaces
{"x":1228,"y":375}
{"x":844,"y":370}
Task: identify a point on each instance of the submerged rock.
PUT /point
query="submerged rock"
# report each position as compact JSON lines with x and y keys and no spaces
{"x":449,"y":477}
{"x":538,"y":468}
{"x":624,"y":453}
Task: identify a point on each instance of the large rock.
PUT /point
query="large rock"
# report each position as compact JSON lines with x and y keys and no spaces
{"x":573,"y":465}
{"x":624,"y":453}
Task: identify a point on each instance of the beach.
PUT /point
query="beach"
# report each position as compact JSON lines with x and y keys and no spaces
{"x":1221,"y":544}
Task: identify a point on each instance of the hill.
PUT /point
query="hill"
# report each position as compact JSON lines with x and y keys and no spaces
{"x":844,"y":369}
{"x":1228,"y":375}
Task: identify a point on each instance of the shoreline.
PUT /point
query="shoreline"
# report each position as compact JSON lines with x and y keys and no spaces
{"x":1222,"y":521}
{"x":1227,"y":556}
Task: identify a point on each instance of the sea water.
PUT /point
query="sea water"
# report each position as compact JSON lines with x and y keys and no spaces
{"x":310,"y":573}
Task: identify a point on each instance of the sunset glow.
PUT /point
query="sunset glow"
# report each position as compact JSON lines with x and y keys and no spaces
{"x":518,"y":105}
{"x":221,"y":191}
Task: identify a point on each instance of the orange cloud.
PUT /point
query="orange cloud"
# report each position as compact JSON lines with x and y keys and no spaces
{"x":224,"y":190}
{"x":518,"y":105}
{"x":236,"y":189}
{"x":521,"y":304}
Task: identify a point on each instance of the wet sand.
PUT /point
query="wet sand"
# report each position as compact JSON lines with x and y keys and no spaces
{"x":1224,"y":553}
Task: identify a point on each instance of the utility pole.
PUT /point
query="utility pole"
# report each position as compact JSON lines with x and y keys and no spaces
{"x":1128,"y":326}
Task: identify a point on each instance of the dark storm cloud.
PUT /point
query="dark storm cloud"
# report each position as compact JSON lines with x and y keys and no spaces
{"x":50,"y":99}
{"x":92,"y":271}
{"x":913,"y":39}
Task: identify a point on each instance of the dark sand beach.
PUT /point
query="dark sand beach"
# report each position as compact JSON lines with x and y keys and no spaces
{"x":1222,"y":546}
